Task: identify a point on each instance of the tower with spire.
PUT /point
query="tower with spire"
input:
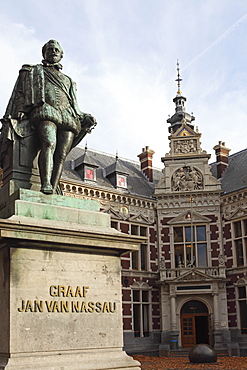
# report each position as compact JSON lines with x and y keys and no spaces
{"x":186,"y":165}
{"x":190,"y":240}
{"x":180,"y":116}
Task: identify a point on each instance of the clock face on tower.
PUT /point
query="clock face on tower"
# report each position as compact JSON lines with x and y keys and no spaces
{"x":121,"y":181}
{"x":89,"y":174}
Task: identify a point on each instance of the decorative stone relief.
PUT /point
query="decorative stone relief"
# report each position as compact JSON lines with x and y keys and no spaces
{"x":130,"y":214}
{"x":185,"y":146}
{"x":187,"y":178}
{"x":192,"y":276}
{"x":162,"y":262}
{"x":221,"y":286}
{"x":237,"y":212}
{"x":222,"y":259}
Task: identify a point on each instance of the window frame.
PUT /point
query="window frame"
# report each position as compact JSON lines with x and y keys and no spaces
{"x":121,"y":181}
{"x":140,"y":260}
{"x":192,"y":241}
{"x":86,"y":168}
{"x":239,"y":239}
{"x":242,"y":314}
{"x":141,"y":308}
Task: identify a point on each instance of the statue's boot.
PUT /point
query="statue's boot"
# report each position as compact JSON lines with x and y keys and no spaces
{"x":47,"y":137}
{"x":47,"y":189}
{"x":45,"y":168}
{"x":57,"y":171}
{"x":64,"y":143}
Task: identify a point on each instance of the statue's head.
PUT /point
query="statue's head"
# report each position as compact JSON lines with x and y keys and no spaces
{"x":52,"y":51}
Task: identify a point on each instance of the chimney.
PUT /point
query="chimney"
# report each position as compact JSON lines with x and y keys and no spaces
{"x":146,"y":159}
{"x":222,"y":153}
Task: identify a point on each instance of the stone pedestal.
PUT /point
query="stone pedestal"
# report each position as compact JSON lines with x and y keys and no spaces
{"x":218,"y":334}
{"x":60,"y":285}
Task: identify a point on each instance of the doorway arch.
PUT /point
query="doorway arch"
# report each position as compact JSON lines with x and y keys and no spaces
{"x":194,"y":323}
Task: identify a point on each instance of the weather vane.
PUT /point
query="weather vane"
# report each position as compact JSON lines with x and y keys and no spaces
{"x":179,"y":79}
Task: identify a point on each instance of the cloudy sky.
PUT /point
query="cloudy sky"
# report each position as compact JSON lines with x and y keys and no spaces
{"x":123,"y":54}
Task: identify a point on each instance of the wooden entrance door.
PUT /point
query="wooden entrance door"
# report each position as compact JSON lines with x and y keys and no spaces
{"x":188,"y":330}
{"x":194,"y":323}
{"x":194,"y":329}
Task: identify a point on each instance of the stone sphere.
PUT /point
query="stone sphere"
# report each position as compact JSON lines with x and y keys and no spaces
{"x":202,"y":353}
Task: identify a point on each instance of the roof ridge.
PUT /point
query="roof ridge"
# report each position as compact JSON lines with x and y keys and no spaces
{"x":114,"y":157}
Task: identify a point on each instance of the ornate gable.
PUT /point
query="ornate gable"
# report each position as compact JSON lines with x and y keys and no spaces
{"x":185,"y":141}
{"x":241,"y":282}
{"x":140,"y":285}
{"x":239,"y":212}
{"x":187,"y":217}
{"x":114,"y":214}
{"x":193,"y":275}
{"x":184,"y":130}
{"x":139,"y":218}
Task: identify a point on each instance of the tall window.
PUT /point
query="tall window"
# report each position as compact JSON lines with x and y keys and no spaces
{"x":190,"y":246}
{"x":242,"y":301}
{"x":139,"y":258}
{"x":141,"y":311}
{"x":240,"y":241}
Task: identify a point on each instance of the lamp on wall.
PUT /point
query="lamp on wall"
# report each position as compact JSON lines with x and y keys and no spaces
{"x":126,"y":282}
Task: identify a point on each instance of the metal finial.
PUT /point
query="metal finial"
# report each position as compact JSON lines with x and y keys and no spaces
{"x":86,"y":146}
{"x":116,"y":156}
{"x":179,"y":79}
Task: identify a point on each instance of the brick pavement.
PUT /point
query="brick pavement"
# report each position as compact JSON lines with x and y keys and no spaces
{"x":182,"y":363}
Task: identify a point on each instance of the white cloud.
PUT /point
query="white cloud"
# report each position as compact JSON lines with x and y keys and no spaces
{"x":122,"y":56}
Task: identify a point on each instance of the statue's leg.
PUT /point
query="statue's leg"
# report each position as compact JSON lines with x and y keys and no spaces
{"x":47,"y":132}
{"x":64,"y":143}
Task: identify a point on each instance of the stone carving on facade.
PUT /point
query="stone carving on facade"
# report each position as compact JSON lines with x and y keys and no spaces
{"x":192,"y":276}
{"x":162,"y":262}
{"x":221,"y":286}
{"x":222,"y":259}
{"x":185,"y":146}
{"x":187,"y":178}
{"x":237,"y":211}
{"x":128,"y":213}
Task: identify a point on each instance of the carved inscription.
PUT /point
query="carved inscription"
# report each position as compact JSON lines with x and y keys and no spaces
{"x":68,"y":305}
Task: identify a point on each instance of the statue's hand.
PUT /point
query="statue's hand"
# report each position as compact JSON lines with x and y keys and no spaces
{"x":88,"y":122}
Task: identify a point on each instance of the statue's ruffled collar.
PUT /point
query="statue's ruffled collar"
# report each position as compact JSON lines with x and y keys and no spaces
{"x":58,"y":66}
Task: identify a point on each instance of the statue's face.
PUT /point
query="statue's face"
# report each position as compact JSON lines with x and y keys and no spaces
{"x":53,"y":53}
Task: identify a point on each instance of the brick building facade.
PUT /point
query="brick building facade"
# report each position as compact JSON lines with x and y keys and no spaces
{"x":187,"y":284}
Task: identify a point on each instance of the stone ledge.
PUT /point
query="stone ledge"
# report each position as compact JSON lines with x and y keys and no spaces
{"x":28,"y":232}
{"x":8,"y":207}
{"x":61,"y":213}
{"x":100,"y":359}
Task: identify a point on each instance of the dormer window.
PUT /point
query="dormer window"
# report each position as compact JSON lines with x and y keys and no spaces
{"x":86,"y":166}
{"x":121,"y":181}
{"x":117,"y":175}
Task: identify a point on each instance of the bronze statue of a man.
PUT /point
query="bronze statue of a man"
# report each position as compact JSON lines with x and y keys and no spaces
{"x":44,"y":101}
